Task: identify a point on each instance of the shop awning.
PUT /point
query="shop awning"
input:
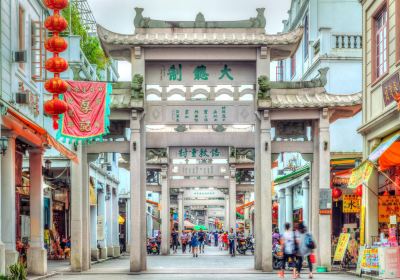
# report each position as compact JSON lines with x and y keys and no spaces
{"x":387,"y":154}
{"x":360,"y":175}
{"x":188,"y":224}
{"x":342,"y":177}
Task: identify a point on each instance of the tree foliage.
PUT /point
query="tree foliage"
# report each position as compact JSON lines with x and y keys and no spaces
{"x":90,"y":45}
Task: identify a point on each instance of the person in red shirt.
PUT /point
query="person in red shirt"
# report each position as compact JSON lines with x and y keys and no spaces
{"x":225,"y":240}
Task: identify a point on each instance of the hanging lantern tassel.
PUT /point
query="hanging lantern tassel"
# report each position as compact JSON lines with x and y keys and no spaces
{"x":55,"y":122}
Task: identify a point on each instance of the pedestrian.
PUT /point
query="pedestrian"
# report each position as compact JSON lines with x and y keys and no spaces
{"x":276,"y":237}
{"x":216,"y":237}
{"x":184,"y":241}
{"x":288,"y":241}
{"x":225,"y":240}
{"x":220,"y":241}
{"x":195,"y":244}
{"x":190,"y":234}
{"x":201,"y":237}
{"x":232,"y":238}
{"x":175,"y":241}
{"x":306,"y":246}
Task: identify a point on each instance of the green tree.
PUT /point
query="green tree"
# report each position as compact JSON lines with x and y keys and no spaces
{"x":90,"y":45}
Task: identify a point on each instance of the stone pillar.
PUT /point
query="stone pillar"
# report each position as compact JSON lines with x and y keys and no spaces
{"x":2,"y":246}
{"x":76,"y":213}
{"x":306,"y":202}
{"x":8,"y":220}
{"x":281,"y":211}
{"x":227,"y":216}
{"x":289,"y":205}
{"x":266,"y":193}
{"x":37,"y":255}
{"x":93,"y":233}
{"x":325,"y":227}
{"x":262,"y":156}
{"x":165,"y":213}
{"x":109,"y":222}
{"x":138,"y":191}
{"x":115,"y":225}
{"x":232,"y":199}
{"x":181,"y":215}
{"x":101,"y":219}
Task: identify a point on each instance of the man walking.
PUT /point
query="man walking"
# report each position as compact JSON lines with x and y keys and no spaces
{"x":231,"y":240}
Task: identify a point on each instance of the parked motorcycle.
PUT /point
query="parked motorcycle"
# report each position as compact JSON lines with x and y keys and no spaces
{"x":250,"y":244}
{"x":152,"y":247}
{"x":241,"y":246}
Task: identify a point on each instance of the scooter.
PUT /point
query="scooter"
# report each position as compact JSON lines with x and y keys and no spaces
{"x":152,"y":248}
{"x":241,"y":246}
{"x":250,"y":244}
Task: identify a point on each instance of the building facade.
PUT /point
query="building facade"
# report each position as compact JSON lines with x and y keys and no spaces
{"x":381,"y":117}
{"x":333,"y":42}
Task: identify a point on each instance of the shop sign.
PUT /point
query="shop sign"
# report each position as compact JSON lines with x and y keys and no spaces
{"x":362,"y":225}
{"x":370,"y":260}
{"x":325,"y":199}
{"x":197,"y":113}
{"x":92,"y":194}
{"x":200,"y":170}
{"x":351,"y":203}
{"x":390,"y":88}
{"x":393,"y":237}
{"x":388,"y":206}
{"x":360,"y":175}
{"x":341,"y":247}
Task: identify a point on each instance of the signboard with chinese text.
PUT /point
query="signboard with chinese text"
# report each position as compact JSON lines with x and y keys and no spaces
{"x":199,"y":169}
{"x":388,"y":206}
{"x":351,"y":203}
{"x":341,"y":247}
{"x":198,"y":152}
{"x":203,"y":194}
{"x":325,"y":199}
{"x":390,"y":87}
{"x":197,"y":112}
{"x":194,"y":73}
{"x":370,"y":260}
{"x":389,"y":262}
{"x":360,"y":175}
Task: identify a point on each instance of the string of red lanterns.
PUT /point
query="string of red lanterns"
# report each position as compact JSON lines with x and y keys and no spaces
{"x":56,"y":64}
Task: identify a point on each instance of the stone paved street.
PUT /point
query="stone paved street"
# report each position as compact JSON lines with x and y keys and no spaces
{"x":213,"y":264}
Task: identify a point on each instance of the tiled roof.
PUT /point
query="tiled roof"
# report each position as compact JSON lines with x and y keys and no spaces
{"x":199,"y":38}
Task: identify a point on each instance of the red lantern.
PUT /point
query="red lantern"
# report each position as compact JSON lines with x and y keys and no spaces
{"x":56,"y":64}
{"x":359,"y":190}
{"x":56,"y":23}
{"x":55,"y":106}
{"x":56,"y":44}
{"x":336,"y":193}
{"x":56,"y":85}
{"x":56,"y":4}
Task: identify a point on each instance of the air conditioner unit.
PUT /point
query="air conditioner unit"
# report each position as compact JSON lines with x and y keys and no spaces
{"x":20,"y":56}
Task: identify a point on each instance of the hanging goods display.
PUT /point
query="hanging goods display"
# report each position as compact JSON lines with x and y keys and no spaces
{"x":56,"y":64}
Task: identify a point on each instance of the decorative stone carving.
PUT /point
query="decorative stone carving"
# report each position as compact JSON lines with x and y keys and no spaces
{"x":264,"y":87}
{"x":291,"y":129}
{"x":137,"y":86}
{"x":245,"y":155}
{"x":146,"y":22}
{"x":219,"y":128}
{"x":180,"y":128}
{"x":156,"y":154}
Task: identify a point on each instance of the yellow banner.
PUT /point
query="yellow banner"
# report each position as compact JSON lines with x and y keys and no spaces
{"x":351,"y":203}
{"x":341,"y":247}
{"x":388,"y":206}
{"x":362,"y":226}
{"x":92,"y":194}
{"x":360,"y":174}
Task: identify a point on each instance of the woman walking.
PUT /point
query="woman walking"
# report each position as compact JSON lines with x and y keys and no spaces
{"x":195,"y":244}
{"x":288,"y":242}
{"x":232,"y":238}
{"x":184,"y":241}
{"x":306,"y":245}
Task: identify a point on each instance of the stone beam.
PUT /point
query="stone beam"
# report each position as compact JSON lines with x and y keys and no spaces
{"x":121,"y":147}
{"x":205,"y":202}
{"x":166,"y":139}
{"x":292,"y":146}
{"x":185,"y":183}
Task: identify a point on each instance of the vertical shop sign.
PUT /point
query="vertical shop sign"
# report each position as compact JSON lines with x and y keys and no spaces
{"x":341,"y":247}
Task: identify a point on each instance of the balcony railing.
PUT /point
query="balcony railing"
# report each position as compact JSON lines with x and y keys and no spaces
{"x":347,"y":41}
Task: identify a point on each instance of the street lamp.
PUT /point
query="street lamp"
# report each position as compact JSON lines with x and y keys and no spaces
{"x":3,"y":144}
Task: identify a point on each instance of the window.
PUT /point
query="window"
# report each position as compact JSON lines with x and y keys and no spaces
{"x":379,"y":54}
{"x":306,"y":37}
{"x":293,"y":66}
{"x":21,"y":31}
{"x":279,"y":71}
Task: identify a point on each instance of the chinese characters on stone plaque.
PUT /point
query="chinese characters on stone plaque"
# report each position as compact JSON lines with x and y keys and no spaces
{"x":215,"y":114}
{"x":199,"y":73}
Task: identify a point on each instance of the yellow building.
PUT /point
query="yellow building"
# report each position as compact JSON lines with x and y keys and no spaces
{"x":381,"y":117}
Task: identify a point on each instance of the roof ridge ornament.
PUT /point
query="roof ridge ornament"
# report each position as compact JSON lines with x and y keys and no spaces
{"x":145,"y":22}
